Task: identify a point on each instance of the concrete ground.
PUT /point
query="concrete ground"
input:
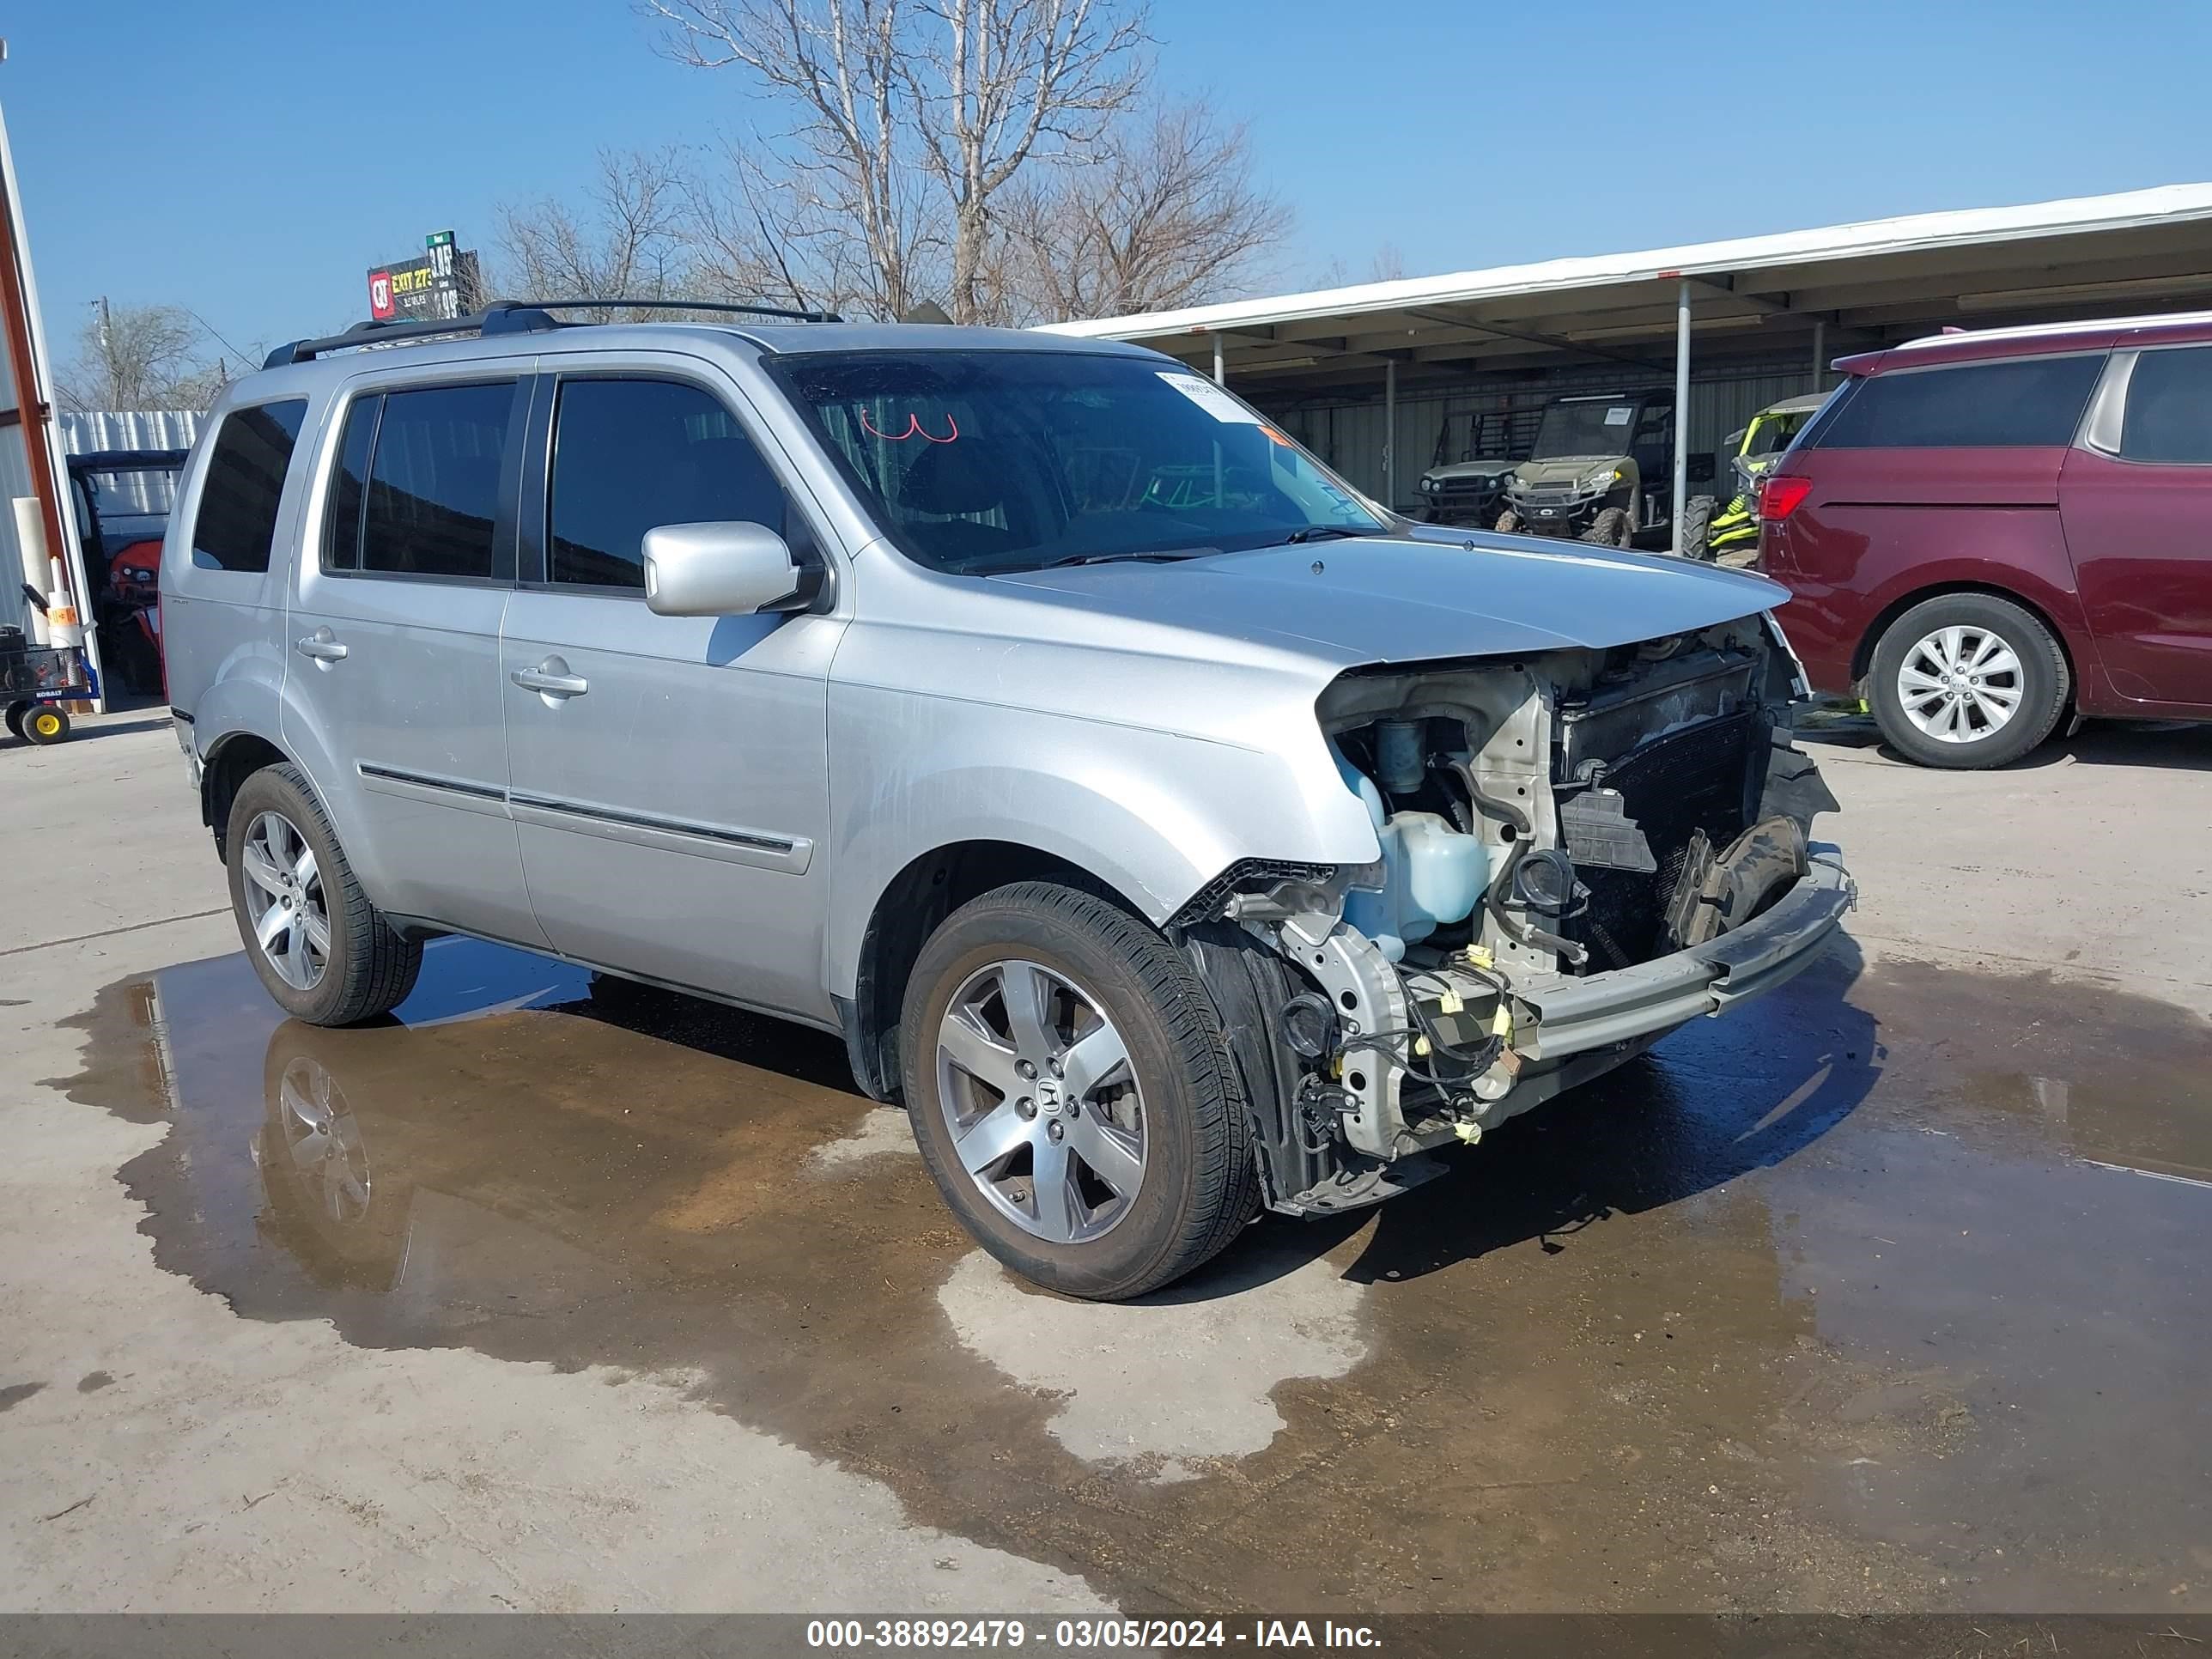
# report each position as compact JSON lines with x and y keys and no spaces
{"x":1885,"y":1292}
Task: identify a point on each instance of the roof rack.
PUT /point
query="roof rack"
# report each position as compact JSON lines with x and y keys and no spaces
{"x":511,"y":317}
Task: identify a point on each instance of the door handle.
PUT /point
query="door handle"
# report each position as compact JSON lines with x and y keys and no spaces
{"x":552,"y":678}
{"x":323,"y":645}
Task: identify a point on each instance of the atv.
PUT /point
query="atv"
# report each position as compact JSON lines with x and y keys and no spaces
{"x":1748,"y":453}
{"x":1600,"y":470}
{"x":1466,"y":480}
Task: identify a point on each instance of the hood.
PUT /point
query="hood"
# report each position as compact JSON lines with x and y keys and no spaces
{"x":1476,"y":469}
{"x":1564,"y":469}
{"x":1430,"y":593}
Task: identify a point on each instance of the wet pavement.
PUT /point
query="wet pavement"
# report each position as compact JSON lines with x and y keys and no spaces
{"x":1887,"y":1291}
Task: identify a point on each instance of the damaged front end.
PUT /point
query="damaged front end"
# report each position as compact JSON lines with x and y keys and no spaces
{"x":1582,"y":849}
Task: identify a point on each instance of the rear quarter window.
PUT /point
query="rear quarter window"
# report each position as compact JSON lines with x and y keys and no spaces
{"x":236,"y":526}
{"x":2018,"y":403}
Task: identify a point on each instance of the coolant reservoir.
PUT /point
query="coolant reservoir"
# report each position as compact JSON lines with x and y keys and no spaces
{"x":1431,"y":873}
{"x":1446,"y":872}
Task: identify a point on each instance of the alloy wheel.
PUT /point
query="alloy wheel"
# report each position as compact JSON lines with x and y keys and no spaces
{"x":328,"y":1158}
{"x":1043,"y":1106}
{"x":1960,"y":684}
{"x":284,"y":894}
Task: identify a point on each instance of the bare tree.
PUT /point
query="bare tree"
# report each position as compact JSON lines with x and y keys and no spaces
{"x":764,"y":228}
{"x":889,"y":96}
{"x":1165,"y":212}
{"x":629,"y":237}
{"x":138,"y":357}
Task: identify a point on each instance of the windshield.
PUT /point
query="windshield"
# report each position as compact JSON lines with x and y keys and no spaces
{"x":1775,"y":433}
{"x":980,"y":461}
{"x":1595,"y":430}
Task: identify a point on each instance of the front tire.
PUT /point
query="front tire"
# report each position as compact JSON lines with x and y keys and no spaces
{"x":1609,"y":529}
{"x":1697,"y":528}
{"x":324,"y":953}
{"x":1509,"y":523}
{"x":1073,"y":1094}
{"x":45,"y":724}
{"x":1966,"y":681}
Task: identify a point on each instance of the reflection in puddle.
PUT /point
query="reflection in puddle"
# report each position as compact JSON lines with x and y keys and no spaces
{"x":1816,"y":1306}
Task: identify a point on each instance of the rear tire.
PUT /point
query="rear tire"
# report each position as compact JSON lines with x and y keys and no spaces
{"x":1697,"y":528}
{"x":2009,"y":677}
{"x":1175,"y":1178}
{"x":45,"y":724}
{"x":1609,"y":529}
{"x":361,"y":967}
{"x":15,"y":713}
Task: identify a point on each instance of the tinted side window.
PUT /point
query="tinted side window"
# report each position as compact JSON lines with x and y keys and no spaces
{"x":433,"y":498}
{"x":237,"y":521}
{"x":629,"y":455}
{"x":2022,"y":401}
{"x":349,"y":488}
{"x":2169,"y":414}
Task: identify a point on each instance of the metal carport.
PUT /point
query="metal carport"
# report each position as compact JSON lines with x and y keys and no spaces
{"x":1743,"y":306}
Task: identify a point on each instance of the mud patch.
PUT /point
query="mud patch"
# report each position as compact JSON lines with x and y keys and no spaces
{"x":1858,"y":1298}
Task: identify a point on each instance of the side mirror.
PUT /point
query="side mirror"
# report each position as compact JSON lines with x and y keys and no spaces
{"x":730,"y":570}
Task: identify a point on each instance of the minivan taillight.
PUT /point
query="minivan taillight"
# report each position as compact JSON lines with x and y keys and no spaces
{"x":1780,"y":495}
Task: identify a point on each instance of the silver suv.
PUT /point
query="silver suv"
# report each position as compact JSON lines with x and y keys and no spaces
{"x":1176,"y":833}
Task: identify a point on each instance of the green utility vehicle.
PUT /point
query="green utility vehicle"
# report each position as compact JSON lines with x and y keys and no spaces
{"x":1466,"y":476}
{"x":1748,"y":453}
{"x":1602,"y":470}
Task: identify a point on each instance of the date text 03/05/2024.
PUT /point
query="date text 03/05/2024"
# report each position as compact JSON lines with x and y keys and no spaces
{"x":1082,"y":1635}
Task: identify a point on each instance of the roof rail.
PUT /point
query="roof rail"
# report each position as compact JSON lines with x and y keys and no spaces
{"x":510,"y":317}
{"x":779,"y":313}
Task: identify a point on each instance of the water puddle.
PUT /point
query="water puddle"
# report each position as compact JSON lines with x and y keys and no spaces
{"x":1887,"y":1291}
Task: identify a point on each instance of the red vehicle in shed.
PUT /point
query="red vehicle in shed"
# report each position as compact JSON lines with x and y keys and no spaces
{"x":1986,"y":531}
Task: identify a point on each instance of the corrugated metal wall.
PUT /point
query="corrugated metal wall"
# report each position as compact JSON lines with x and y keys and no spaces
{"x":163,"y":429}
{"x":1349,"y":434}
{"x":134,"y":493}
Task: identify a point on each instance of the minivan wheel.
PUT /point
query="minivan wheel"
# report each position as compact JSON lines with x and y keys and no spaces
{"x":1966,"y":681}
{"x":322,"y":950}
{"x":1072,"y":1095}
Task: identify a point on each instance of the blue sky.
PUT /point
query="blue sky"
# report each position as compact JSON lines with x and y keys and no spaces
{"x":249,"y":161}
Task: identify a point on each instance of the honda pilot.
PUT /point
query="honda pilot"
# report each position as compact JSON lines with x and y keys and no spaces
{"x":1172,"y":833}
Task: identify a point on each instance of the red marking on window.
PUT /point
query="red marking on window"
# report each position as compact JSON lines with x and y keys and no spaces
{"x":914,"y":430}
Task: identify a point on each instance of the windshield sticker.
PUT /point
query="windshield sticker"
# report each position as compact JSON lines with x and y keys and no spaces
{"x":1210,"y":398}
{"x":914,"y":430}
{"x":1617,"y":416}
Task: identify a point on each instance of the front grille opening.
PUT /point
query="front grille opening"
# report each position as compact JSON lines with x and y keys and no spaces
{"x":1699,"y":778}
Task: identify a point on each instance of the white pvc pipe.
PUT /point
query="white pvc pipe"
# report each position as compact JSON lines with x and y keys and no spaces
{"x":31,"y":544}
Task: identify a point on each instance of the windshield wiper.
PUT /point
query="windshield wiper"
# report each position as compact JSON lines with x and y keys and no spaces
{"x":1156,"y":555}
{"x":1314,"y":533}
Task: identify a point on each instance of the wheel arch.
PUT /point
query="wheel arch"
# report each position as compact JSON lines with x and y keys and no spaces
{"x":235,"y":757}
{"x":1870,"y":640}
{"x":928,"y":889}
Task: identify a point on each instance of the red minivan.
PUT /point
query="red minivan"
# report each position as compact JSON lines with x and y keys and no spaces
{"x":1986,"y":530}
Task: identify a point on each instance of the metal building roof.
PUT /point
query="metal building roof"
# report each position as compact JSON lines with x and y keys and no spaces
{"x":1866,"y":285}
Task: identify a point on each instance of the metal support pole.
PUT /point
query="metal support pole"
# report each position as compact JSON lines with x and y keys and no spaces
{"x":1682,"y":408}
{"x":1820,"y":352}
{"x":1390,"y":434}
{"x":1220,"y":375}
